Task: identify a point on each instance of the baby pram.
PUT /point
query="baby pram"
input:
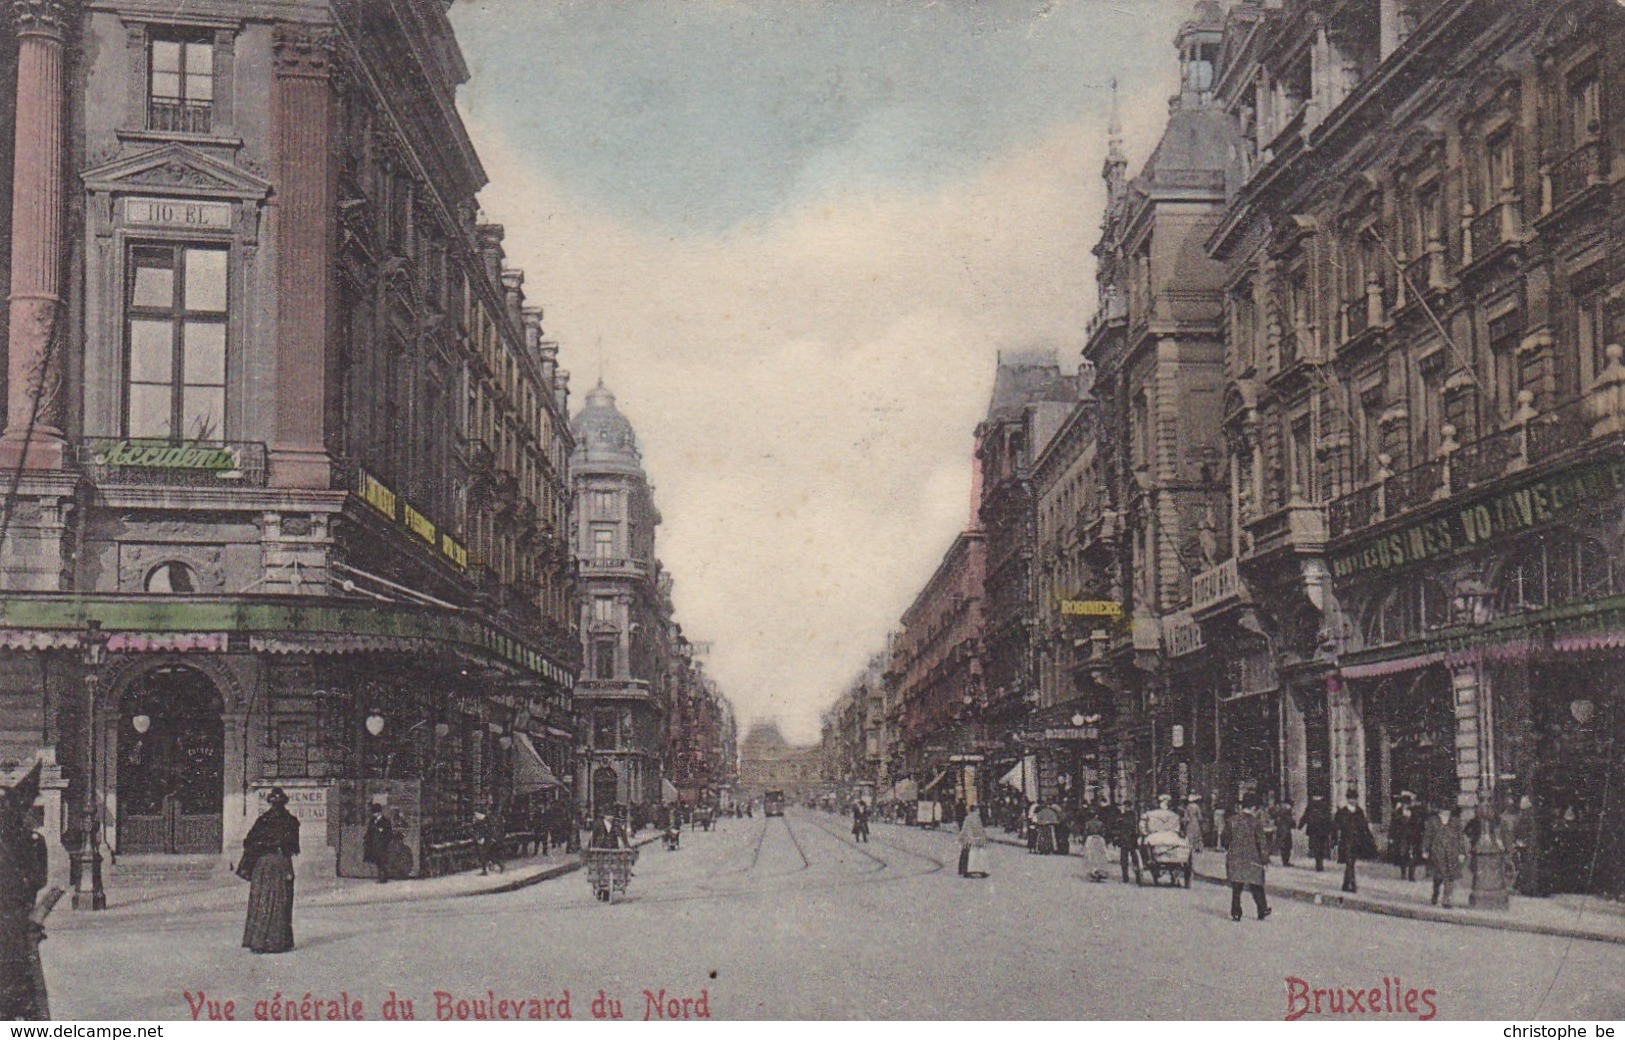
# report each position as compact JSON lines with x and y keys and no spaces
{"x":1165,"y":853}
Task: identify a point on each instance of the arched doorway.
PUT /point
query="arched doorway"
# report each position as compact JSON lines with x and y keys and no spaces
{"x":171,"y":743}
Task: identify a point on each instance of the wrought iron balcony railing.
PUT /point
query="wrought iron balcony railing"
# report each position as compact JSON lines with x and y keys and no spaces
{"x":177,"y":116}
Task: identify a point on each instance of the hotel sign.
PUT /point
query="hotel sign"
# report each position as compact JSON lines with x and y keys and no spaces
{"x":381,"y":498}
{"x":1216,"y":586}
{"x":1091,"y":608}
{"x":1473,"y":525}
{"x":178,"y":213}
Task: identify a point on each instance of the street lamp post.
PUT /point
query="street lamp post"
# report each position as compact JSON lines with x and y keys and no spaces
{"x":88,"y":893}
{"x":1471,"y":605}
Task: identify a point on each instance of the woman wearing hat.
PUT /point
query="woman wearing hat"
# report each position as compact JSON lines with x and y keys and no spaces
{"x":267,"y":862}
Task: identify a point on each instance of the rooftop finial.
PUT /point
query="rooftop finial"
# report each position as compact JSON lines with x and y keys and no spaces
{"x":1114,"y":129}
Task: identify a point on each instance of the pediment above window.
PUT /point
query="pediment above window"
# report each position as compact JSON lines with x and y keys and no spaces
{"x":176,"y":169}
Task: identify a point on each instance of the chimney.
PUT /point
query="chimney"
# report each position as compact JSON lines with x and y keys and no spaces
{"x":547,"y":355}
{"x":513,"y":292}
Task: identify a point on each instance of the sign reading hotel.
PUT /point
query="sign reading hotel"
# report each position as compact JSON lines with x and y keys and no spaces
{"x":178,"y":213}
{"x":1091,"y":608}
{"x":1475,"y":524}
{"x":380,"y":497}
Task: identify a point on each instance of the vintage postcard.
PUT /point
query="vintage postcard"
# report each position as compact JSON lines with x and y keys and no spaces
{"x":571,"y":510}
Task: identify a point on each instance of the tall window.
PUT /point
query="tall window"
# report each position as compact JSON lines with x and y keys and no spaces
{"x":603,"y":609}
{"x":603,"y":505}
{"x":1302,"y":446}
{"x":603,"y":543}
{"x":1500,"y":170}
{"x":1591,"y":332}
{"x":603,"y":659}
{"x":180,"y":84}
{"x":1505,"y":334}
{"x":1585,"y":109}
{"x":175,"y":371}
{"x":1430,"y":405}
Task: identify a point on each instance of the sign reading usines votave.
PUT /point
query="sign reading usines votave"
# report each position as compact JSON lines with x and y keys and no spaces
{"x":1474,"y":524}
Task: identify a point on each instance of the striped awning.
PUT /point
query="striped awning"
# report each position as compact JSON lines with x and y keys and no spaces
{"x":166,"y":642}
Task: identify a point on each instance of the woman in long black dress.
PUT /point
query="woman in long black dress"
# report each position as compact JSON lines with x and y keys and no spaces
{"x":268,"y":850}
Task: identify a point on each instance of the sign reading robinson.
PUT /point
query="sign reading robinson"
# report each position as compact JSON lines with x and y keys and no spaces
{"x":1472,"y":525}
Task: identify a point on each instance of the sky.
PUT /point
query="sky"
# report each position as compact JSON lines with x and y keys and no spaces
{"x":792,"y":236}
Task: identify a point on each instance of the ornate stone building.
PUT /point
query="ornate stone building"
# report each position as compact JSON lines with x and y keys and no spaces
{"x":1423,"y":407}
{"x":1030,"y":399}
{"x":286,"y":453}
{"x":1158,"y":357}
{"x":625,"y":689}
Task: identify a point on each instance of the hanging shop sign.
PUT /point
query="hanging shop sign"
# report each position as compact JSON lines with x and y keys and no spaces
{"x":1091,"y":608}
{"x":384,"y":500}
{"x":1181,"y":634}
{"x":1474,"y":525}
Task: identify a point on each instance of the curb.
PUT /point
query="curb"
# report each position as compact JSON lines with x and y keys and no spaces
{"x":542,"y":875}
{"x":1345,"y":901}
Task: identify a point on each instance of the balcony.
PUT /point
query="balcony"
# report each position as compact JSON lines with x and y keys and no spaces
{"x":1355,"y":511}
{"x":612,"y":565}
{"x":1572,"y":174}
{"x":1495,"y":227}
{"x":1531,"y":438}
{"x":172,"y":115}
{"x":1298,"y":529}
{"x":163,"y":463}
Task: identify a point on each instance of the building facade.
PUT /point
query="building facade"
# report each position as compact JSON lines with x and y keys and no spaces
{"x":768,"y":762}
{"x":1030,"y":399}
{"x":626,"y":685}
{"x":1423,"y":405}
{"x":289,"y":457}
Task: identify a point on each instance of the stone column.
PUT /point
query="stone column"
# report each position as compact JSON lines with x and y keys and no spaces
{"x":33,"y":434}
{"x":302,"y":119}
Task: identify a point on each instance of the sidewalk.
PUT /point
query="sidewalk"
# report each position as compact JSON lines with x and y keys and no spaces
{"x":225,"y":891}
{"x":1382,"y":891}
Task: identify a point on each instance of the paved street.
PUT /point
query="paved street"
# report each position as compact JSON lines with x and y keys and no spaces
{"x":786,"y":918}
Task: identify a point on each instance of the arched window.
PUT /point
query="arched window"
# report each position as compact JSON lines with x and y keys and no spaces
{"x":171,"y":576}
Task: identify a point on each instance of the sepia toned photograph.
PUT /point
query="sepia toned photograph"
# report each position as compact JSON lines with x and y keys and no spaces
{"x":835,"y":510}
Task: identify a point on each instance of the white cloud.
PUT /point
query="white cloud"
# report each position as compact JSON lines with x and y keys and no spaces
{"x":806,"y":390}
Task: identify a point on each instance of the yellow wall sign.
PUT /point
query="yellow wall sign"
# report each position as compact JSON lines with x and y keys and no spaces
{"x":377,"y":494}
{"x":1091,"y":608}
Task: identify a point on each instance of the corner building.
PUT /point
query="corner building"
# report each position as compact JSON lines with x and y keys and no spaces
{"x":290,"y":451}
{"x":623,"y":694}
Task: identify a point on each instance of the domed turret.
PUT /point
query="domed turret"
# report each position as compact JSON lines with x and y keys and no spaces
{"x":601,"y":431}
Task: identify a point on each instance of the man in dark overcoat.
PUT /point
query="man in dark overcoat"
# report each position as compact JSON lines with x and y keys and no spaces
{"x":1447,"y":851}
{"x":375,"y":843}
{"x":1354,"y":839}
{"x":1317,"y":825}
{"x":1246,"y":857}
